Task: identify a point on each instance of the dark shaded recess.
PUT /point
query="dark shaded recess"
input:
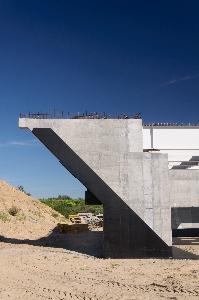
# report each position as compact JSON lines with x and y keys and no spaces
{"x":125,"y":234}
{"x":184,"y":215}
{"x":90,"y":199}
{"x":187,"y":232}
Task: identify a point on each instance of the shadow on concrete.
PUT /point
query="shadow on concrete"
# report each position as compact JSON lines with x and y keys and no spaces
{"x":187,"y":232}
{"x":188,"y":215}
{"x":89,"y":242}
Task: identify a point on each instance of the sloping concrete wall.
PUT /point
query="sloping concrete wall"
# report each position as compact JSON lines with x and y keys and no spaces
{"x":106,"y":156}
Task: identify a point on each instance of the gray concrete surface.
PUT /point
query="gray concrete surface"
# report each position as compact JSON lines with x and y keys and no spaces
{"x":184,"y":188}
{"x":106,"y":156}
{"x":184,"y":198}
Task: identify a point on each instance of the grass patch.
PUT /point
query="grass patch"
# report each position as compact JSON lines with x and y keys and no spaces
{"x":68,"y":207}
{"x":21,"y":217}
{"x":4,"y":216}
{"x":37,"y":214}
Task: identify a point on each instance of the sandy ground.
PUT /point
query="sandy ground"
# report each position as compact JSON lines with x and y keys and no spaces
{"x":46,"y":269}
{"x":37,"y":262}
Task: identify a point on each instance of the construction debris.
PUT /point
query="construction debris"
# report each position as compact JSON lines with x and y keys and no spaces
{"x":73,"y":228}
{"x":81,"y":222}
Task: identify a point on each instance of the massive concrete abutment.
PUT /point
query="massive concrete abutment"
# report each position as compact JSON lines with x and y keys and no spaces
{"x":106,"y":156}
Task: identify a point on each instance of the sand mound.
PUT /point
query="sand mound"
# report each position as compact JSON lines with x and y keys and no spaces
{"x":22,"y":216}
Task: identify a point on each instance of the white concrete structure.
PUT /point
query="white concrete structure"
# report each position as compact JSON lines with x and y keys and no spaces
{"x":181,"y":143}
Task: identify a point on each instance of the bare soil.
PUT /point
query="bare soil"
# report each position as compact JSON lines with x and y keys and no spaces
{"x":38,"y":272}
{"x":37,"y":262}
{"x":33,"y":219}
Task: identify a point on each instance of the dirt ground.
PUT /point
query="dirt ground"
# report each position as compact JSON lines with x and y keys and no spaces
{"x":37,"y":262}
{"x":46,"y":269}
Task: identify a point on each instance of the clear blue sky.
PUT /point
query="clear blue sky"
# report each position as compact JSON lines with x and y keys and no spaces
{"x":114,"y":56}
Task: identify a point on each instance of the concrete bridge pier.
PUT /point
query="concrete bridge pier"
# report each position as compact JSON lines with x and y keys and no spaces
{"x":107,"y":157}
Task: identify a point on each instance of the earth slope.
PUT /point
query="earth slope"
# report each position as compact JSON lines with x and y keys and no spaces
{"x":22,"y":216}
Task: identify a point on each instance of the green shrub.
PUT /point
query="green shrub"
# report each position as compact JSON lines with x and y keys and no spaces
{"x":68,"y":207}
{"x":13,"y":211}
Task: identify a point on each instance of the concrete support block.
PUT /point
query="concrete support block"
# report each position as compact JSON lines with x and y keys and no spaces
{"x":106,"y":156}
